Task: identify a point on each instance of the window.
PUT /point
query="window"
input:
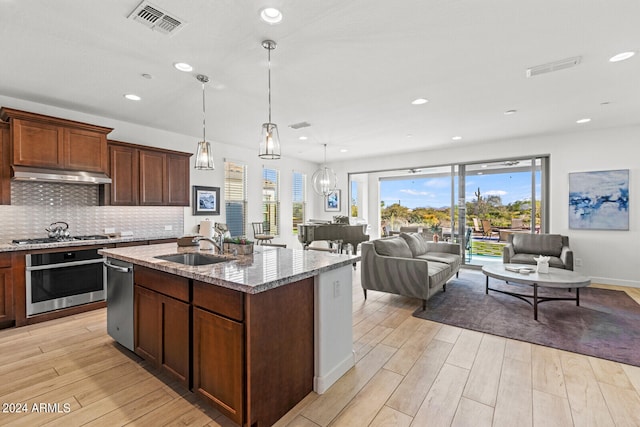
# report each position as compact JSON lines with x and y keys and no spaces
{"x":235,"y":190}
{"x":271,"y":201}
{"x":299,"y":199}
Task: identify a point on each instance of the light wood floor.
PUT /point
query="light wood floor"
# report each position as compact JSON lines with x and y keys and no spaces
{"x":408,"y":372}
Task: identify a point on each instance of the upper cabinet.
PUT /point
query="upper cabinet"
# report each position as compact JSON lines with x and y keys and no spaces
{"x":148,"y":176}
{"x":43,"y":141}
{"x":5,"y":174}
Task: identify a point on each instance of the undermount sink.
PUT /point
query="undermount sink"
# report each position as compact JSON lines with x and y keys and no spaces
{"x":192,"y":259}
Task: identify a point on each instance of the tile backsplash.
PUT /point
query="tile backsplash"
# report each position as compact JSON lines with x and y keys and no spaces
{"x":35,"y":205}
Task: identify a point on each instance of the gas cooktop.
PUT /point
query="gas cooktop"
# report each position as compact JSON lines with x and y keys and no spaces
{"x":40,"y":240}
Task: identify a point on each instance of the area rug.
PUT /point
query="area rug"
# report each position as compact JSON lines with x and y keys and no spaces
{"x":605,"y":325}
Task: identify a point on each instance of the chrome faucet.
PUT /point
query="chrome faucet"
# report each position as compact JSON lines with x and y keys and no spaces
{"x":219,"y":244}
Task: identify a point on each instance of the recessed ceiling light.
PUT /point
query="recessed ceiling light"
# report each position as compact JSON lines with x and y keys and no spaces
{"x":621,"y":56}
{"x":484,"y":166}
{"x":456,"y":138}
{"x":132,"y":97}
{"x":303,"y":138}
{"x":585,"y":120}
{"x":183,"y":66}
{"x":271,"y":15}
{"x":409,"y":135}
{"x":480,"y":173}
{"x":343,"y":150}
{"x":510,"y":112}
{"x":419,"y":101}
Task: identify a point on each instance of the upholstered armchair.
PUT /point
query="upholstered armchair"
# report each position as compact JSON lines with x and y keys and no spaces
{"x":522,"y":248}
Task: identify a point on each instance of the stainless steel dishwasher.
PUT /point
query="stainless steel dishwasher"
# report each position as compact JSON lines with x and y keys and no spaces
{"x":119,"y":278}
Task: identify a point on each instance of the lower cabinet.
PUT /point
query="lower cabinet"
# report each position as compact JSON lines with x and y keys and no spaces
{"x":7,"y":316}
{"x":218,"y":360}
{"x":161,"y":327}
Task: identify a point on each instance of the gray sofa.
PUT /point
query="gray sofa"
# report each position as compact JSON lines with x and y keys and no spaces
{"x":408,"y":265}
{"x":522,"y":248}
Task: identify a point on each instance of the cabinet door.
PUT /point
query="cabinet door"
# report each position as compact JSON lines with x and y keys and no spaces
{"x":218,"y":355}
{"x":6,"y":291}
{"x":177,"y":180}
{"x":5,"y":162}
{"x":85,"y":150}
{"x":37,"y":144}
{"x":123,"y":168}
{"x":153,"y":178}
{"x":147,"y":324}
{"x":175,"y":356}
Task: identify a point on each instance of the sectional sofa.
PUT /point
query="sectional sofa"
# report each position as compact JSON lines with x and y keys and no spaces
{"x":408,"y":265}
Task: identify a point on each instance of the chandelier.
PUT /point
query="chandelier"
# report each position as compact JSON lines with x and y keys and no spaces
{"x":324,"y":180}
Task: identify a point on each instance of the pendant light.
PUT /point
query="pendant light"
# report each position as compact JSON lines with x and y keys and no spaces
{"x":204,"y":154}
{"x":324,"y":180}
{"x":269,"y":138}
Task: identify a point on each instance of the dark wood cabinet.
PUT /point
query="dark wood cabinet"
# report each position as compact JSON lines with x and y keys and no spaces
{"x":7,"y":315}
{"x":162,"y":322}
{"x":218,"y":368}
{"x":43,"y":141}
{"x":5,"y":165}
{"x":147,"y":176}
{"x":124,"y":175}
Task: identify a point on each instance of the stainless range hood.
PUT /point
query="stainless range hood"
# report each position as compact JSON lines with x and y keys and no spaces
{"x":23,"y":173}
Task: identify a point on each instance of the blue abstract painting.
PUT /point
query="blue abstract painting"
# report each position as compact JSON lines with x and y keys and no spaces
{"x":599,"y":200}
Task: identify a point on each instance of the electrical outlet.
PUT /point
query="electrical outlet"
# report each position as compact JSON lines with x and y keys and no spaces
{"x":336,"y":289}
{"x":168,"y":227}
{"x":578,"y":262}
{"x":109,"y":230}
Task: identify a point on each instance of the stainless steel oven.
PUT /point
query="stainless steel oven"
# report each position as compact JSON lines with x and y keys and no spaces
{"x":58,"y":280}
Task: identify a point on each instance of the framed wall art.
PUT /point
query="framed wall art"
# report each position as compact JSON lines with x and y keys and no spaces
{"x":332,"y":202}
{"x":206,"y":200}
{"x":599,"y":200}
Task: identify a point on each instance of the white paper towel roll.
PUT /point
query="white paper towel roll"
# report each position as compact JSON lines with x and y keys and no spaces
{"x":206,"y":230}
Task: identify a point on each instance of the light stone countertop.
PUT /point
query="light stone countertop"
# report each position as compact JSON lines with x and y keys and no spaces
{"x":12,"y":247}
{"x":266,"y":268}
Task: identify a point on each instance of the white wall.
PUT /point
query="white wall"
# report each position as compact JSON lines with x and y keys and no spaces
{"x":133,"y":133}
{"x":608,"y":257}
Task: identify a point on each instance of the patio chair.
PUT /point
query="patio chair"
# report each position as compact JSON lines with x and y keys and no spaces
{"x":517,"y":223}
{"x":477,"y":227}
{"x":487,"y":230}
{"x":259,"y":233}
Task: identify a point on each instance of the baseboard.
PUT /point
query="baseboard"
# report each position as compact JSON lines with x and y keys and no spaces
{"x":322,"y":384}
{"x":618,"y":282}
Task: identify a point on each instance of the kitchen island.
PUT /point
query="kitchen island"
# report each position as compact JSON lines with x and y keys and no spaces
{"x":251,"y":334}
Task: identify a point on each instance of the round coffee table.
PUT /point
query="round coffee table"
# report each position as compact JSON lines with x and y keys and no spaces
{"x":555,"y":278}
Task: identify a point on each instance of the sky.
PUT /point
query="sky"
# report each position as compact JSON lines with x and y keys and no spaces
{"x":436,"y":192}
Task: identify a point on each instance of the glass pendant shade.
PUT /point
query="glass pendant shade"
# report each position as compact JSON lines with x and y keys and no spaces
{"x":204,"y":153}
{"x":324,"y":181}
{"x":204,"y":156}
{"x":269,"y":142}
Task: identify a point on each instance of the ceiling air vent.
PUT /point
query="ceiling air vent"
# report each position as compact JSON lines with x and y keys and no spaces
{"x":553,"y":66}
{"x":300,"y":125}
{"x":157,"y":19}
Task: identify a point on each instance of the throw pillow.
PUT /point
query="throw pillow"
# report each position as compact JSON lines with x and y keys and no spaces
{"x":415,"y":242}
{"x":394,"y":246}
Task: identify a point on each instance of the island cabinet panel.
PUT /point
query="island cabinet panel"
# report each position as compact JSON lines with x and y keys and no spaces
{"x":162,"y":321}
{"x":5,"y":165}
{"x":123,"y":163}
{"x":51,"y":142}
{"x":218,"y":362}
{"x":7,"y":316}
{"x":279,"y":350}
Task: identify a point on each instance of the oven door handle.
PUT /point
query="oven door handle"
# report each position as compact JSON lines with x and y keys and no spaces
{"x":64,"y":264}
{"x":117,"y":267}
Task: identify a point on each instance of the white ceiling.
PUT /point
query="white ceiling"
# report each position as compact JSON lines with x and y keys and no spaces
{"x":348,"y":67}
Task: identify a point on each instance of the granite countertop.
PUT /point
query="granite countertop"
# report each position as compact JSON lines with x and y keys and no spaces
{"x":266,"y":268}
{"x":12,"y":247}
